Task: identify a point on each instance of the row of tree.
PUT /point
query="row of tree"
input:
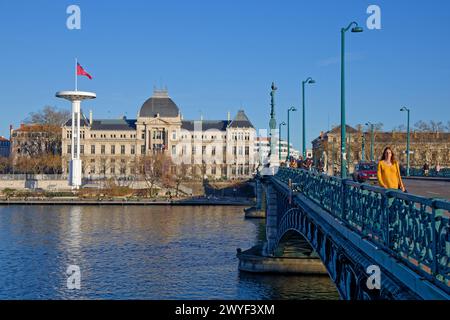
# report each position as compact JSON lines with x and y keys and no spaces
{"x":420,"y":126}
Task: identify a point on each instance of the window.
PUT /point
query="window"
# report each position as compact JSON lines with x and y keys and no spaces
{"x":247,"y":151}
{"x":122,"y":149}
{"x":203,"y":150}
{"x":183,"y":150}
{"x":234,"y":151}
{"x":240,"y":151}
{"x":102,"y":149}
{"x":193,"y":150}
{"x":92,"y":149}
{"x":113,"y":149}
{"x":213,"y":170}
{"x":213,"y":151}
{"x":69,"y":148}
{"x":143,"y":149}
{"x":133,"y":149}
{"x":81,"y":149}
{"x":174,"y":135}
{"x":113,"y":170}
{"x":174,"y":150}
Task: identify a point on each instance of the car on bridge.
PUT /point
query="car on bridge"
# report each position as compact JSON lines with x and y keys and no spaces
{"x":365,"y":171}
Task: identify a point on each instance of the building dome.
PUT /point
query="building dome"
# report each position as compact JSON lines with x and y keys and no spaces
{"x":161,"y":104}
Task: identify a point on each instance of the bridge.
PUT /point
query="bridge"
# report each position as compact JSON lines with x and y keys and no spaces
{"x":375,"y":243}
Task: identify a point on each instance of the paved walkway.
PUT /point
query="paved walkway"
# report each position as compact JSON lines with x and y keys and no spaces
{"x":430,"y":188}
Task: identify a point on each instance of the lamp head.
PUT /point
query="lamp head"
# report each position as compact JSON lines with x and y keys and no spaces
{"x":312,"y":81}
{"x":404,"y":109}
{"x":357,"y":29}
{"x":292,"y":109}
{"x":283,"y":123}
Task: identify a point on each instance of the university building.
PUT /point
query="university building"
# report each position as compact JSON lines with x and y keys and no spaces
{"x":209,"y":148}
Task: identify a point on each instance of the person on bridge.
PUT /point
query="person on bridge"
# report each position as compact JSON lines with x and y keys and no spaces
{"x":388,"y":172}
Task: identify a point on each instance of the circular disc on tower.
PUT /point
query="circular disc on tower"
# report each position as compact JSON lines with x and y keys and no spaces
{"x":76,"y":95}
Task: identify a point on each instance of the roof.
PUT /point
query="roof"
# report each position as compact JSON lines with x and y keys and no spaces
{"x":119,"y":124}
{"x":159,"y":104}
{"x":206,"y":124}
{"x":241,"y":121}
{"x":3,"y":139}
{"x":107,"y":124}
{"x":83,"y":122}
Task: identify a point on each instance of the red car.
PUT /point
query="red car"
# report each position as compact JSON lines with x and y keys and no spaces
{"x":365,"y":171}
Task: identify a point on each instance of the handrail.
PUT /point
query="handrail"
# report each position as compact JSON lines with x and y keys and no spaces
{"x":413,"y":229}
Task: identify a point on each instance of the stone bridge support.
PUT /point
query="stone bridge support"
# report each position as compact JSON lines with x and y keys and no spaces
{"x":271,"y":220}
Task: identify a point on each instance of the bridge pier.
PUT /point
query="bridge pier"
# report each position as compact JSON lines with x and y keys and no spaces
{"x":271,"y":221}
{"x":259,"y":210}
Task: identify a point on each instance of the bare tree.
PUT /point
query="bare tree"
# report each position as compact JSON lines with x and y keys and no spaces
{"x":437,"y":126}
{"x":5,"y":164}
{"x":151,"y":169}
{"x":422,"y":126}
{"x":400,"y":128}
{"x":49,"y":115}
{"x":180,"y":175}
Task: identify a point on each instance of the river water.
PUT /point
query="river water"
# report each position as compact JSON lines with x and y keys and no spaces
{"x":153,"y":252}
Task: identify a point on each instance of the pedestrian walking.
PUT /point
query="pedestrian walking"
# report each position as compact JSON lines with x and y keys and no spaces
{"x":388,"y":172}
{"x":426,"y":169}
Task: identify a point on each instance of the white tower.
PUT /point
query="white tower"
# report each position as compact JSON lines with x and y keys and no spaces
{"x":75,"y":163}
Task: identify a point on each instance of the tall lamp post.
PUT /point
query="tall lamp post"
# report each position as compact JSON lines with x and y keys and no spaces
{"x":407,"y":141}
{"x":372,"y":139}
{"x":307,"y":81}
{"x":363,"y":145}
{"x":289,"y":133}
{"x":279,"y":139}
{"x":355,"y":29}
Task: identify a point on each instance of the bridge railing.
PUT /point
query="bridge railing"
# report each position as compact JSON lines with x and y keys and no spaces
{"x":413,"y":229}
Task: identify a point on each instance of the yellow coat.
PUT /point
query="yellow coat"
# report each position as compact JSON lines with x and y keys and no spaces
{"x":389,"y":175}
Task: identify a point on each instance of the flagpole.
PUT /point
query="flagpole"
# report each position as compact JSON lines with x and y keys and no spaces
{"x":76,"y":78}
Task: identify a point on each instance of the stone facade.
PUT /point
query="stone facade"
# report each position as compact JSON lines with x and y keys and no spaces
{"x":33,"y":140}
{"x":209,"y":148}
{"x":430,"y":147}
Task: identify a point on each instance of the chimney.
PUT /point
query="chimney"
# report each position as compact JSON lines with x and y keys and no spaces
{"x":90,"y":117}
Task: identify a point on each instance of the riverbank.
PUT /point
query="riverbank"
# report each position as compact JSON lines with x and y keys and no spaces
{"x":134,"y":202}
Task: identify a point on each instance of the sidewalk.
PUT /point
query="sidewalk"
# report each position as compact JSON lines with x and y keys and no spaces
{"x":427,"y":178}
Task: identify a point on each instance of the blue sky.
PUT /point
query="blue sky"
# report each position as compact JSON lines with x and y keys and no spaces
{"x":219,"y":56}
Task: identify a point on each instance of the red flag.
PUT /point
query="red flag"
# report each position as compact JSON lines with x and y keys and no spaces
{"x":81,"y":72}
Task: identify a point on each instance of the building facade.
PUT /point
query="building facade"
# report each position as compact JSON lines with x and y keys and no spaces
{"x":262,"y":148}
{"x":425,"y":147}
{"x":208,"y":148}
{"x":5,"y":147}
{"x":32,"y":140}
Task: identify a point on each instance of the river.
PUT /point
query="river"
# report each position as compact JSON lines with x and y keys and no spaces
{"x":151,"y":252}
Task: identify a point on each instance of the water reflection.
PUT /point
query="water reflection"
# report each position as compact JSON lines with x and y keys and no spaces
{"x":158,"y":252}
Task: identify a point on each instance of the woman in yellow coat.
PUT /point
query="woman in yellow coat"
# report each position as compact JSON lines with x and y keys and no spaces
{"x":388,"y":172}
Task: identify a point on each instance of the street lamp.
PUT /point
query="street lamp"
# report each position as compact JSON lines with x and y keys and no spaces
{"x":355,"y":29}
{"x":279,"y":139}
{"x":289,"y":133}
{"x":407,"y":141}
{"x":372,"y":139}
{"x":307,"y":81}
{"x":363,"y":145}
